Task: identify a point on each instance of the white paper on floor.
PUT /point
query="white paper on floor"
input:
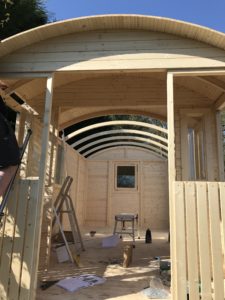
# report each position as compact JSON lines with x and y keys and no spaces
{"x":72,"y":284}
{"x":110,"y":241}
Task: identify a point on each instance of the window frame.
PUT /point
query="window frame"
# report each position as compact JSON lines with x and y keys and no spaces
{"x":126,"y":189}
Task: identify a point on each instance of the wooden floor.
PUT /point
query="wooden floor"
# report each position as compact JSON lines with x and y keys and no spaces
{"x":121,"y":283}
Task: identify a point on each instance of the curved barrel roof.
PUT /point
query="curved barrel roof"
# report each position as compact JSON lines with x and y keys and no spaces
{"x":140,"y":22}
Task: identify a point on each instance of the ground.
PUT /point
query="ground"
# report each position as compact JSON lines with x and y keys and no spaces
{"x":121,"y":283}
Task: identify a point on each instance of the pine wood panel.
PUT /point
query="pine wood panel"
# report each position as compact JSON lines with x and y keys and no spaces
{"x":180,"y":242}
{"x":192,"y":238}
{"x":115,"y":22}
{"x":204,"y":242}
{"x":154,"y":194}
{"x":216,"y":246}
{"x":7,"y":243}
{"x":97,"y":192}
{"x":201,"y":239}
{"x":27,"y":283}
{"x":124,"y":49}
{"x":17,"y":251}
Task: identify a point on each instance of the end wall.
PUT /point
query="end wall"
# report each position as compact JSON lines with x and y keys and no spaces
{"x":149,"y":199}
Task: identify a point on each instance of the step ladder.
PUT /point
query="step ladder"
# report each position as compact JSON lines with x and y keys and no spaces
{"x":7,"y":193}
{"x":62,"y":201}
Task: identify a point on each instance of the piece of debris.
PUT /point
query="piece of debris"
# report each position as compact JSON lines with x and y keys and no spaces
{"x":47,"y":284}
{"x":156,"y":290}
{"x":62,"y":254}
{"x":164,"y":265}
{"x":166,"y":277}
{"x":148,"y":236}
{"x":127,"y":255}
{"x":110,"y":241}
{"x":57,"y":238}
{"x":72,"y":284}
{"x":92,"y":233}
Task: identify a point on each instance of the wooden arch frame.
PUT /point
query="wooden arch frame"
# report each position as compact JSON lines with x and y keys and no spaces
{"x":153,"y":150}
{"x":111,"y":112}
{"x":111,"y":123}
{"x":113,"y":131}
{"x":119,"y":137}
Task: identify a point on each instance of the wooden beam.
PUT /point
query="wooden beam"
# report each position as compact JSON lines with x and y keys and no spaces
{"x":171,"y":178}
{"x":152,"y":149}
{"x":184,"y":148}
{"x":42,"y":175}
{"x":112,"y":123}
{"x":109,"y":132}
{"x":16,"y":85}
{"x":123,"y":137}
{"x":214,"y":81}
{"x":220,"y":102}
{"x":27,"y":75}
{"x":220,"y":146}
{"x":199,"y":72}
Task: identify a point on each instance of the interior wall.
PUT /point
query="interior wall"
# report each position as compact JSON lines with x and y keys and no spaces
{"x":75,"y":166}
{"x":149,"y":199}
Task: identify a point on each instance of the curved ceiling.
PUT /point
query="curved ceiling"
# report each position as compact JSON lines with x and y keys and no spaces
{"x":139,"y":22}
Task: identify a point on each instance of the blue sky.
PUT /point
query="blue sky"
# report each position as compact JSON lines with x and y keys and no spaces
{"x":210,"y":13}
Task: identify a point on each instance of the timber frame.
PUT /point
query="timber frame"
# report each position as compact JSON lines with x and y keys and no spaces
{"x":184,"y":85}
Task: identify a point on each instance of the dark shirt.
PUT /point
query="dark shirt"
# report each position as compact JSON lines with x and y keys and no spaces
{"x":9,"y":149}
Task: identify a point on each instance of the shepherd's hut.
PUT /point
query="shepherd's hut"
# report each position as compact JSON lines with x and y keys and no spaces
{"x":165,"y":163}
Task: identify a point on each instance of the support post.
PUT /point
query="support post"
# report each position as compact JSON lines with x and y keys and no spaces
{"x":41,"y":188}
{"x":171,"y":176}
{"x":220,"y":146}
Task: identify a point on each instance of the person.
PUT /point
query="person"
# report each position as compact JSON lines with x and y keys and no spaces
{"x":9,"y":151}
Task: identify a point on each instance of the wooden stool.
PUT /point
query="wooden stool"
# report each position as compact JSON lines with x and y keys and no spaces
{"x":123,"y":218}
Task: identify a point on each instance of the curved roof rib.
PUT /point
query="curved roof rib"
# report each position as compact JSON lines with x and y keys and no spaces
{"x":119,"y":131}
{"x":113,"y":123}
{"x":153,"y":150}
{"x":129,"y":137}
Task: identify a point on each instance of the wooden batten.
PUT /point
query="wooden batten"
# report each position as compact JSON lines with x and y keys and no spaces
{"x":220,"y":153}
{"x":172,"y":178}
{"x":42,"y":176}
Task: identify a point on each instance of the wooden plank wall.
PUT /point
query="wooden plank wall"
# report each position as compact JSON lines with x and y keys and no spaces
{"x":75,"y":166}
{"x":97,"y":193}
{"x":154,"y":194}
{"x":17,"y":241}
{"x":113,"y":49}
{"x":199,"y":219}
{"x":149,"y":200}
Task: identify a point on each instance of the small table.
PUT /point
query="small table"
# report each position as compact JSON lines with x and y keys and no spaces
{"x":123,"y":218}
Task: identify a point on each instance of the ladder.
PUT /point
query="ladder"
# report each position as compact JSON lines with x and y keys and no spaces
{"x":6,"y":195}
{"x":64,"y":200}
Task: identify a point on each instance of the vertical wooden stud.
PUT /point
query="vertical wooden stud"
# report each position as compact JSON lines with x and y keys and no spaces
{"x":192,"y":240}
{"x":216,"y":247}
{"x":180,"y":233}
{"x":204,"y":243}
{"x":171,"y":176}
{"x":42,"y":176}
{"x":220,"y":146}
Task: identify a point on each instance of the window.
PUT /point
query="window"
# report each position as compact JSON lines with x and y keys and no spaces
{"x":196,"y":145}
{"x":126,"y":177}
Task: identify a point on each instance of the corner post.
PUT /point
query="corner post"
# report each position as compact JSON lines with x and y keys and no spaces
{"x":42,"y":176}
{"x":220,"y":146}
{"x":171,"y":176}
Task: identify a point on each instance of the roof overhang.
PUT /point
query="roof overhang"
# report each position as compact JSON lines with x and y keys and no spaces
{"x":136,"y":22}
